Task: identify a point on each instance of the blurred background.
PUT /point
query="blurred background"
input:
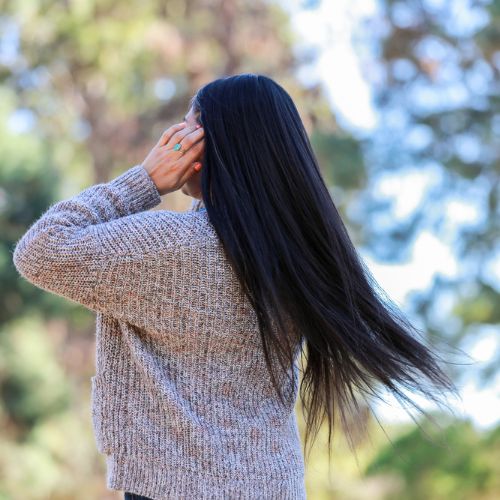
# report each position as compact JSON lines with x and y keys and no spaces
{"x":400,"y":99}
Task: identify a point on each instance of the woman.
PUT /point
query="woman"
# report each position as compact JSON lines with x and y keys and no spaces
{"x":202,"y":315}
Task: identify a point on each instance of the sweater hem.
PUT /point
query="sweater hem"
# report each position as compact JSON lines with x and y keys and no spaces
{"x":135,"y":475}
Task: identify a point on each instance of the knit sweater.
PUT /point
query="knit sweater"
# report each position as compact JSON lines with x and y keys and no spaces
{"x":182,"y":404}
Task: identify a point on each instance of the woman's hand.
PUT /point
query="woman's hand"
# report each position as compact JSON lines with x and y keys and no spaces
{"x":170,"y":169}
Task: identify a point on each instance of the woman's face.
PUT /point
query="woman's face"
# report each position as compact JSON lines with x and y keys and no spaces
{"x":192,"y":187}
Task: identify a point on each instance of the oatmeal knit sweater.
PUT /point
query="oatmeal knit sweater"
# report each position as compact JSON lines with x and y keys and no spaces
{"x":182,"y":404}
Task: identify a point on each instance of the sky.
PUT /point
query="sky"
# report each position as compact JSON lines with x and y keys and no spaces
{"x":328,"y":26}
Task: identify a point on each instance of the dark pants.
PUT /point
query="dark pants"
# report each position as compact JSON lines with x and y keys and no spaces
{"x":133,"y":496}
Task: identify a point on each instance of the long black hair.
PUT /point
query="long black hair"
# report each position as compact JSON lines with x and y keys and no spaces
{"x":281,"y":231}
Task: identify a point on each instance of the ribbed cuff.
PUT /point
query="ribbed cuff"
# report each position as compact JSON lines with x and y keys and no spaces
{"x":136,"y":186}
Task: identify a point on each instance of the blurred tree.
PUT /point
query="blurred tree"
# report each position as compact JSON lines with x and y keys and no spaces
{"x":464,"y":466}
{"x":27,"y":187}
{"x":104,"y":79}
{"x":434,"y":69}
{"x":32,"y":385}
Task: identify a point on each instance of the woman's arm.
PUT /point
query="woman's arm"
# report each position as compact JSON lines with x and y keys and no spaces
{"x":104,"y":250}
{"x":78,"y":246}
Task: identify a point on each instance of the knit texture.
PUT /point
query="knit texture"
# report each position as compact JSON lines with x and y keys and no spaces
{"x":182,"y":404}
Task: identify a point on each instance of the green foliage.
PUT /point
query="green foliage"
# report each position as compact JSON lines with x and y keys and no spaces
{"x":341,"y":159}
{"x":26,"y":189}
{"x":32,"y":386}
{"x":47,"y":443}
{"x":482,"y":307}
{"x":459,"y":463}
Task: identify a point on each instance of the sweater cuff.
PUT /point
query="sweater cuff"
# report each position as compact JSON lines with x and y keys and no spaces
{"x":137,"y":188}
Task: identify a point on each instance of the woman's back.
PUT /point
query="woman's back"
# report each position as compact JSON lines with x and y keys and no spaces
{"x":195,"y":394}
{"x":182,"y":401}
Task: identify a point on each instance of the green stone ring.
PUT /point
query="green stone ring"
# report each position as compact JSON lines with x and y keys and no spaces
{"x":177,"y":147}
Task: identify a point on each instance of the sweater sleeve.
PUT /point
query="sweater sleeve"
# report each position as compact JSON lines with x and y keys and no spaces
{"x":95,"y":248}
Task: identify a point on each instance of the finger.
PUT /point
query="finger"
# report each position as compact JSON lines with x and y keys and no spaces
{"x":189,"y":172}
{"x":191,"y":138}
{"x":178,"y":136}
{"x":189,"y":162}
{"x":167,"y":135}
{"x":191,"y":154}
{"x":186,"y":161}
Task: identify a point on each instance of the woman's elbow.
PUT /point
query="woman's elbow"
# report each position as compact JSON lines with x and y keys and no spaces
{"x":32,"y":256}
{"x":24,"y":259}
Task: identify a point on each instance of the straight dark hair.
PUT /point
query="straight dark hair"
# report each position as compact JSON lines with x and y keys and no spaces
{"x":283,"y":236}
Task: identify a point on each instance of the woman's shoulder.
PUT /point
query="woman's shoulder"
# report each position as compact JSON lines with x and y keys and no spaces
{"x":185,"y":227}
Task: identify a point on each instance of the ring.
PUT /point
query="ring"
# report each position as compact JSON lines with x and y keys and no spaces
{"x":177,"y":147}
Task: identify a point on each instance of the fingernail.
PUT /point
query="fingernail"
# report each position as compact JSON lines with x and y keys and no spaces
{"x":198,"y":125}
{"x":197,"y":166}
